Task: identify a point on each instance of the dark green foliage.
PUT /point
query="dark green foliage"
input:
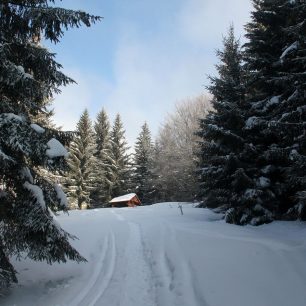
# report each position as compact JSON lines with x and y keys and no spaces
{"x":7,"y":272}
{"x":29,"y":77}
{"x":265,"y":152}
{"x":143,"y":177}
{"x":221,"y":168}
{"x":275,"y":122}
{"x":104,"y":168}
{"x":290,"y":117}
{"x":121,"y":175}
{"x":81,"y":162}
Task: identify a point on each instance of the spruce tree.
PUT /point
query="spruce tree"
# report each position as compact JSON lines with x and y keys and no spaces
{"x":29,"y":77}
{"x":274,"y":125}
{"x":121,"y":181}
{"x":293,"y":64}
{"x":143,"y":177}
{"x":101,"y":193}
{"x":81,"y":164}
{"x":221,"y":133}
{"x":272,"y":178}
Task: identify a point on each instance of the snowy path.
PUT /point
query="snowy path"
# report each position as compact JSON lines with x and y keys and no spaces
{"x":104,"y":269}
{"x":135,"y":272}
{"x":154,"y":256}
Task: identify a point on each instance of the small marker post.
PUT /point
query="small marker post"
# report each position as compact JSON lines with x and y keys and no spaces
{"x":181,"y":208}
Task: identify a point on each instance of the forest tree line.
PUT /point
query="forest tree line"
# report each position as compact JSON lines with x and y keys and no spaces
{"x":102,"y":165}
{"x":247,"y":156}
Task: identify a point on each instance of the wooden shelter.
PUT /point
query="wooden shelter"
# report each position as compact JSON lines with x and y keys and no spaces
{"x":127,"y":200}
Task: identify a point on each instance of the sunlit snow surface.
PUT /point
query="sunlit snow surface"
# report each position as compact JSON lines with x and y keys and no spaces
{"x":153,"y":255}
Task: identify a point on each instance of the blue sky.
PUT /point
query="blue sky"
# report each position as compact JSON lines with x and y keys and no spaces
{"x":142,"y":58}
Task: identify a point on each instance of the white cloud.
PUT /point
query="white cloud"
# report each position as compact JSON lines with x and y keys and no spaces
{"x":149,"y":82}
{"x":149,"y":75}
{"x":204,"y":22}
{"x":75,"y":98}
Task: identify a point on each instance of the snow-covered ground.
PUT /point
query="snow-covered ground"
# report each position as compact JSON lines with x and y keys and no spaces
{"x":153,"y":255}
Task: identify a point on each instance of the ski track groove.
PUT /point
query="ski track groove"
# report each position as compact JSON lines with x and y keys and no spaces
{"x":101,"y":277}
{"x":118,"y":216}
{"x":172,"y":275}
{"x":143,"y":294}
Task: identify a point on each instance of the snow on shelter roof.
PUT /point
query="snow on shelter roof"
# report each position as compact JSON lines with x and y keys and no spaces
{"x":123,"y":198}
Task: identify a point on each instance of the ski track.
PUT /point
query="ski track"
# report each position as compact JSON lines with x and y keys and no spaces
{"x":101,"y":277}
{"x":143,"y":292}
{"x":119,"y":217}
{"x":174,"y":291}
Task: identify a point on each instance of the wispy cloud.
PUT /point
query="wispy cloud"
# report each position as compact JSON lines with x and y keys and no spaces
{"x":151,"y":72}
{"x":204,"y":22}
{"x":149,"y":81}
{"x":75,"y":98}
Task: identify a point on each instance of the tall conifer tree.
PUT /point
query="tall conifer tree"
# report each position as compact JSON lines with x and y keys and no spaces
{"x":121,"y":161}
{"x":221,"y":131}
{"x":104,"y":168}
{"x":29,"y":76}
{"x":143,"y":177}
{"x":81,"y":163}
{"x":275,"y":118}
{"x":293,"y":62}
